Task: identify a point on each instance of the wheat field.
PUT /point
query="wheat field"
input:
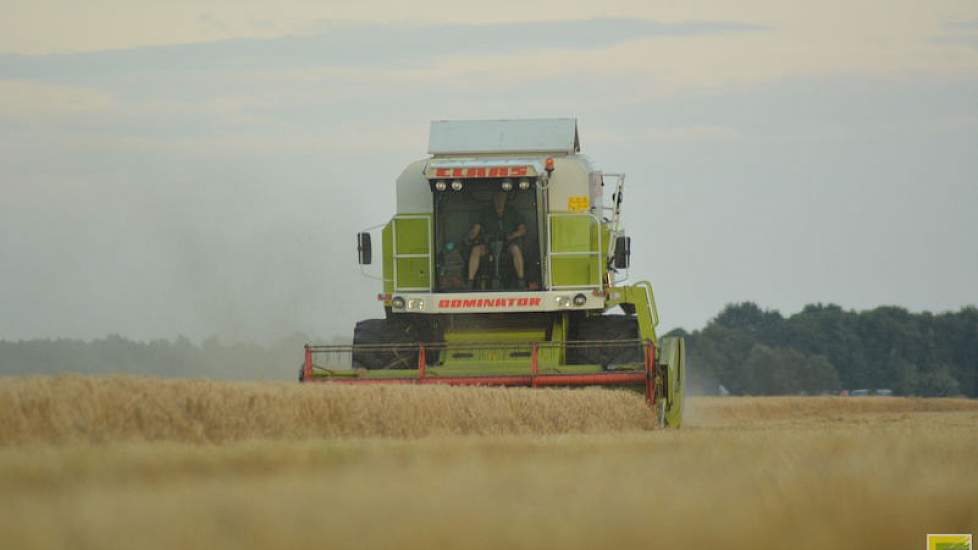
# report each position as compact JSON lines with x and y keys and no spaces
{"x":141,"y":463}
{"x":76,"y":409}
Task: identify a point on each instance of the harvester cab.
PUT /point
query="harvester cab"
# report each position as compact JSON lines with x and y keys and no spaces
{"x":501,"y":266}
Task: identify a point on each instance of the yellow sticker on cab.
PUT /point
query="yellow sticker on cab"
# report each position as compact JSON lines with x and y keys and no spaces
{"x":577,"y":203}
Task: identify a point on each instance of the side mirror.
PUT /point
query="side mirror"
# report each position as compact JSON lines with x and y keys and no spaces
{"x":623,"y":252}
{"x":364,"y":248}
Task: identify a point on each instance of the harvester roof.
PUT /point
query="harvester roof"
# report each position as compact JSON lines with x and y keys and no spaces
{"x":541,"y":136}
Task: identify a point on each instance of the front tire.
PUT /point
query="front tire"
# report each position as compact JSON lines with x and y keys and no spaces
{"x":376,"y":332}
{"x":607,"y":328}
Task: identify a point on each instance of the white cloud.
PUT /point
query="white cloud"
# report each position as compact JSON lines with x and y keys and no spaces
{"x":45,"y":26}
{"x":25,"y":100}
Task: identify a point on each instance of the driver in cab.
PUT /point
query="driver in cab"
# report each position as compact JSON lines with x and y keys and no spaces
{"x":497,"y":224}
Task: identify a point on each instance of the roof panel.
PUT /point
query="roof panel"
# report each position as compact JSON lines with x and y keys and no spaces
{"x":545,"y":135}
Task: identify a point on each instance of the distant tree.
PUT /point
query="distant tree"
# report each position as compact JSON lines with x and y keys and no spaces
{"x":725,"y":350}
{"x":818,"y":375}
{"x":772,"y":370}
{"x":938,"y":383}
{"x":780,"y":371}
{"x":905,"y":377}
{"x":766,"y":326}
{"x":885,"y":347}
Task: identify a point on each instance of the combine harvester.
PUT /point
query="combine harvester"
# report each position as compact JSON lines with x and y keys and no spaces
{"x":500,"y":267}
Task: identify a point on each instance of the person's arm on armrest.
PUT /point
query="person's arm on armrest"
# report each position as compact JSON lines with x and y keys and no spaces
{"x":519,"y":232}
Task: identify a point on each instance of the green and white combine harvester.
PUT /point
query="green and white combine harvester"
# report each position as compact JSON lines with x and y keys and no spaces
{"x":501,"y":266}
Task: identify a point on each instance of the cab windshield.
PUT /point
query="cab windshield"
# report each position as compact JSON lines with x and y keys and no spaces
{"x":486,"y":239}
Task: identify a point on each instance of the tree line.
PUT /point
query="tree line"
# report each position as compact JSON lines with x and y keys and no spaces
{"x":825,"y":349}
{"x":745,"y":349}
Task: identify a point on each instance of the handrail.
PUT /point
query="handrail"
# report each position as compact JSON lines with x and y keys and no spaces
{"x":650,"y":299}
{"x":551,"y":253}
{"x":616,"y":230}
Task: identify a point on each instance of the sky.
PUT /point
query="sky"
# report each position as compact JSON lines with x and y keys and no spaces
{"x":198,"y":169}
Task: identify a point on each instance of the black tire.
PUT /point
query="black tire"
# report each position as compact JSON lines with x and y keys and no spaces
{"x":608,"y":328}
{"x":382,"y":331}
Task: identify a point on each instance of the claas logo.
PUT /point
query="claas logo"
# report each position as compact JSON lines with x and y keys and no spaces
{"x":483,"y":172}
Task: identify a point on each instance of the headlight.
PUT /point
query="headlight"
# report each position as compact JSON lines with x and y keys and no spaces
{"x":415,"y":304}
{"x":524,"y":184}
{"x":507,"y":185}
{"x":397,"y":302}
{"x":440,"y":185}
{"x":457,"y":185}
{"x":562,"y":301}
{"x":580,"y":300}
